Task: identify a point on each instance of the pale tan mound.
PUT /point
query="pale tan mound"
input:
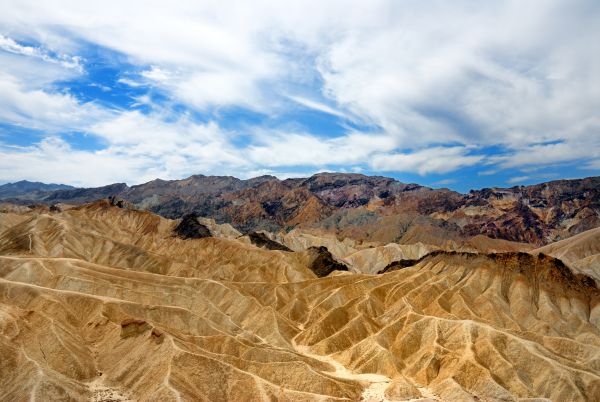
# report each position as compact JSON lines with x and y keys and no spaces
{"x":589,"y":266}
{"x":373,"y":260}
{"x":220,"y":230}
{"x":11,"y":214}
{"x":581,"y":252}
{"x":299,"y":240}
{"x":101,"y":303}
{"x":9,"y":219}
{"x":13,"y":208}
{"x":484,"y":244}
{"x":434,"y":236}
{"x":574,"y":248}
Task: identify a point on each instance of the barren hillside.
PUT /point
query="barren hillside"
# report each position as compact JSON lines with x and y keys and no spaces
{"x":105,"y":303}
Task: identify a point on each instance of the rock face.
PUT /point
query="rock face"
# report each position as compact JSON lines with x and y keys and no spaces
{"x":261,"y":240}
{"x":366,"y":208}
{"x":400,"y":264}
{"x":322,"y":262}
{"x":190,"y":228}
{"x":104,"y":303}
{"x":117,"y":202}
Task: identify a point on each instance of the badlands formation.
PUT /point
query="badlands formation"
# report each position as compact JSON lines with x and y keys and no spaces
{"x":104,"y":302}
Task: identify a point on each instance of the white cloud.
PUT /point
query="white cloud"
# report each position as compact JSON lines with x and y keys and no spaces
{"x":321,"y":107}
{"x":139,"y":148}
{"x":38,"y":109}
{"x":430,"y":160}
{"x":445,"y":182}
{"x":584,"y":146}
{"x":515,"y":74}
{"x":220,"y":88}
{"x":53,"y":160}
{"x":28,"y":97}
{"x":173,"y":149}
{"x":156,"y":74}
{"x":518,"y":179}
{"x":194,"y":48}
{"x":71,"y":62}
{"x":522,"y":75}
{"x":280,"y":174}
{"x":593,"y":164}
{"x":385,"y":60}
{"x":300,"y":149}
{"x":130,"y":82}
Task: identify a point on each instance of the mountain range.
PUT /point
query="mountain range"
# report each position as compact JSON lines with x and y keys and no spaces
{"x":363,"y":208}
{"x":29,"y":189}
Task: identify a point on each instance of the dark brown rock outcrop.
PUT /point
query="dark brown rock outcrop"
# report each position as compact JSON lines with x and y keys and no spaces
{"x":261,"y":240}
{"x":119,"y":202}
{"x":323,"y":263}
{"x":190,"y":228}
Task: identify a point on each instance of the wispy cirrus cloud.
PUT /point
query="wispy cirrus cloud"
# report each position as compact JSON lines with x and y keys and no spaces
{"x":9,"y":45}
{"x":318,"y":106}
{"x":44,"y":110}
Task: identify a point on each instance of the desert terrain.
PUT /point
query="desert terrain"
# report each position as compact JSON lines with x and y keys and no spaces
{"x":105,"y":302}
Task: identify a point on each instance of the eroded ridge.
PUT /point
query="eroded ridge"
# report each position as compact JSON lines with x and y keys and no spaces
{"x":102,"y":302}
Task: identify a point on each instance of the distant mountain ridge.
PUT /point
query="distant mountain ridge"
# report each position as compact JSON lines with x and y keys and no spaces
{"x":29,"y":188}
{"x":366,"y":208}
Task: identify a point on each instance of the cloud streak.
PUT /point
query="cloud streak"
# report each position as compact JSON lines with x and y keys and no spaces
{"x":71,"y":62}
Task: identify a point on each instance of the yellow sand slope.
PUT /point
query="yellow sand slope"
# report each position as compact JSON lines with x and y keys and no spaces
{"x":101,"y":303}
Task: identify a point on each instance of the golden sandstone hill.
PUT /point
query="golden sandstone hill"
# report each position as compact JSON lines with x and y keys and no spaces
{"x":103,"y":303}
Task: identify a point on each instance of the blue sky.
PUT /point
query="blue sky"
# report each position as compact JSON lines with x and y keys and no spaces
{"x":447,"y":94}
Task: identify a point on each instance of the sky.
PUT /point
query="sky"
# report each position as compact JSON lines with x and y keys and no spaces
{"x":460,"y":94}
